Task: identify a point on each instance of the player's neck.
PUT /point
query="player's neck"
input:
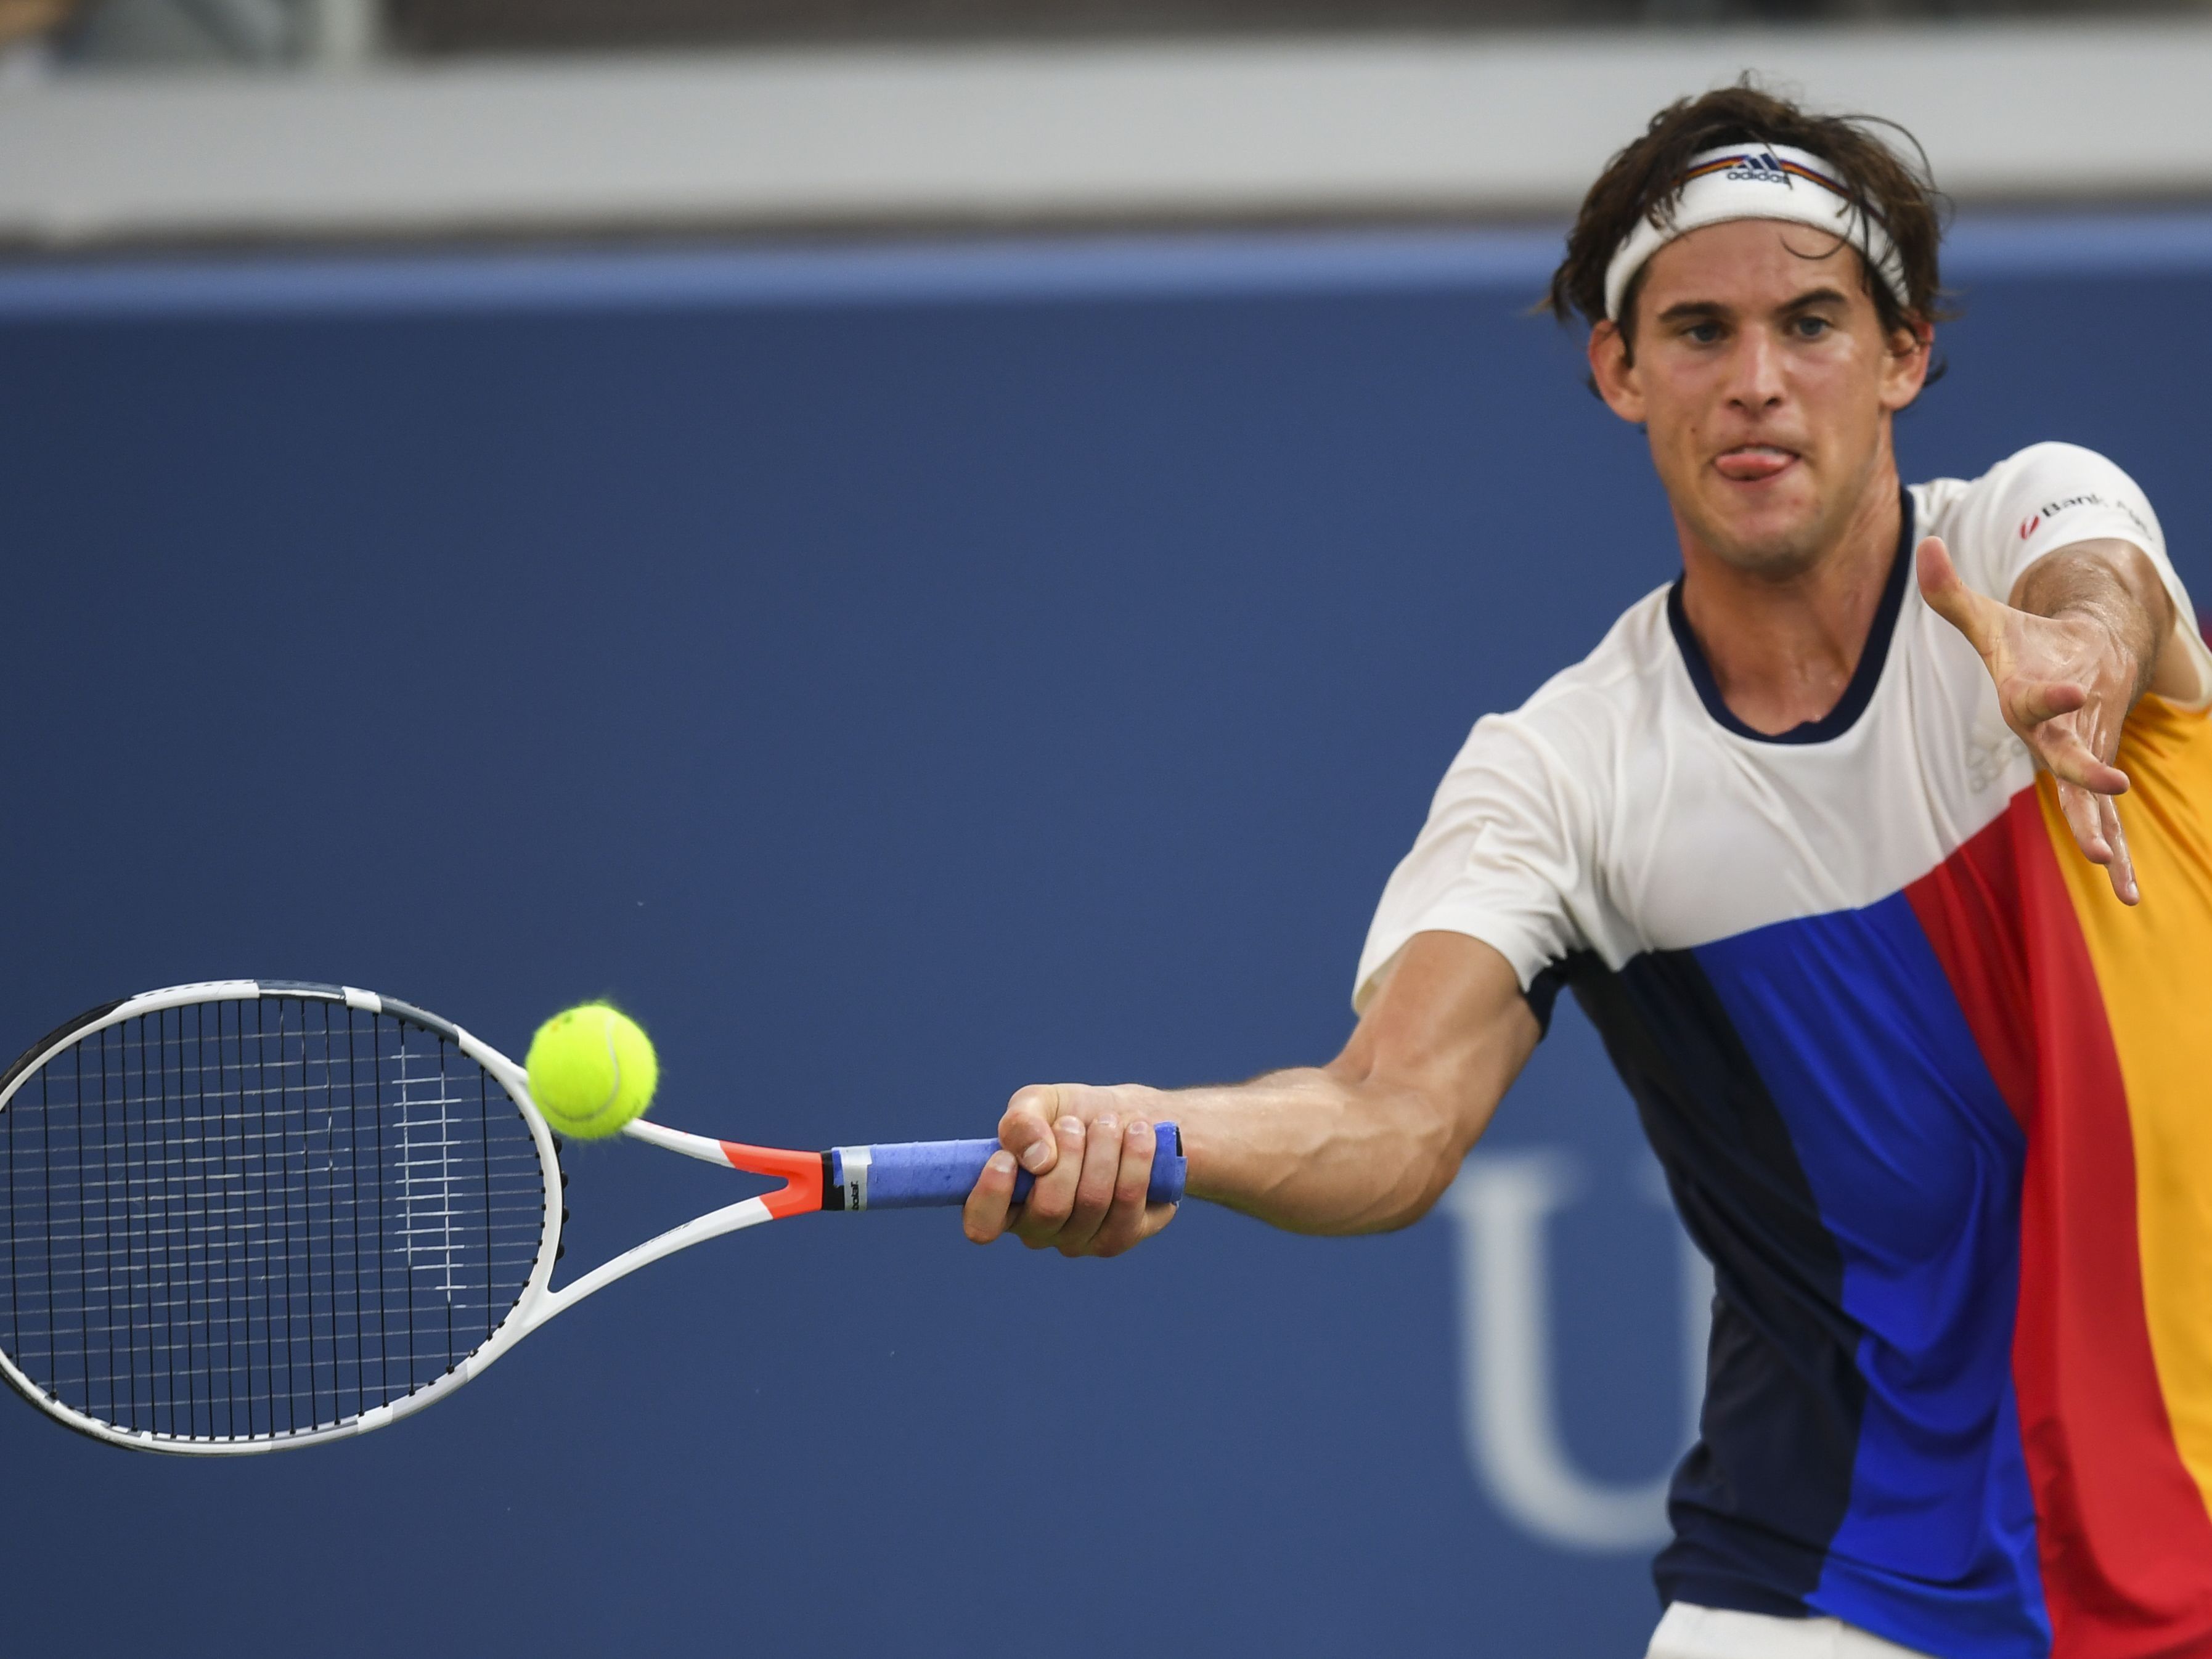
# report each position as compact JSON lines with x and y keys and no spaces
{"x":1782,"y":649}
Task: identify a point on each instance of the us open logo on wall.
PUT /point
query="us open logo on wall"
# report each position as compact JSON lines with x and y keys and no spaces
{"x":1503,"y":1207}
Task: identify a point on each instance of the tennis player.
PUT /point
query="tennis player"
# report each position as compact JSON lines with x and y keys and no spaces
{"x":1846,"y":871}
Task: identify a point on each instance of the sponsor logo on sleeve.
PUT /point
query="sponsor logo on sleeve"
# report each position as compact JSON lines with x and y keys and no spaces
{"x":2051,"y":510}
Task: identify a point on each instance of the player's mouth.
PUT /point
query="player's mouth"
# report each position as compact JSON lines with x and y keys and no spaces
{"x":1755,"y":463}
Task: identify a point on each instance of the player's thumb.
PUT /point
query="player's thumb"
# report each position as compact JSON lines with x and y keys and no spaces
{"x":1026,"y":1129}
{"x":1947,"y":596}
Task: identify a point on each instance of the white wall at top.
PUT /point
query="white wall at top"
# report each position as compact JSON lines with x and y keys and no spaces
{"x":1464,"y":124}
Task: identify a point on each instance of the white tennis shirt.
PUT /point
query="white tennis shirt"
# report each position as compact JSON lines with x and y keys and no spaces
{"x":1623,"y":809}
{"x":1861,"y":987}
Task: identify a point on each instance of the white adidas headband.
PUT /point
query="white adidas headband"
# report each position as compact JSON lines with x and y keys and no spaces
{"x":1757,"y":181}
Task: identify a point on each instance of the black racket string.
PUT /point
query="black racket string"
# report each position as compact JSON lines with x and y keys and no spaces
{"x":248,"y":1219}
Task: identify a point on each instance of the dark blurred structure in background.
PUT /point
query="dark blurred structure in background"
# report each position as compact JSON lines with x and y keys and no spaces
{"x":452,"y":26}
{"x":93,"y":33}
{"x":195,"y":122}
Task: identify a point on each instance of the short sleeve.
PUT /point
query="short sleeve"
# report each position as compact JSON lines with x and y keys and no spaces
{"x":1503,"y":858}
{"x":2048,"y":496}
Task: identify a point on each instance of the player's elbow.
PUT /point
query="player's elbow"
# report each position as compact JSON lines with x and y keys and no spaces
{"x":1430,"y":1179}
{"x":1419,"y":1143}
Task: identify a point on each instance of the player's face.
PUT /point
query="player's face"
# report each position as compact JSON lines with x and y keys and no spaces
{"x":1766,"y":381}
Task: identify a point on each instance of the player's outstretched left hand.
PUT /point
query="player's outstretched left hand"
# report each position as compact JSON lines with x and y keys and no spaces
{"x":2065,"y":684}
{"x":1089,"y":1151}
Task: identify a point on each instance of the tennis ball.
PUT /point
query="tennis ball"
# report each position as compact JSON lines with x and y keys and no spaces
{"x":592,"y":1070}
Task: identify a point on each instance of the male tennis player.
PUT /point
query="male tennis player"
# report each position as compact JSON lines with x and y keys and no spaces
{"x":1820,"y":854}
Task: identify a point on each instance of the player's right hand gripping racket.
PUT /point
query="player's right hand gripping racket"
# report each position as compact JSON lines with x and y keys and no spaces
{"x":251,"y":1214}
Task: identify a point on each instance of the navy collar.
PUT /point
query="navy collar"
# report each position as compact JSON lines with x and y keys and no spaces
{"x":1860,"y":692}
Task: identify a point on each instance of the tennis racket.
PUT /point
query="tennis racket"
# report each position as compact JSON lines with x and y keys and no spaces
{"x":260,"y":1213}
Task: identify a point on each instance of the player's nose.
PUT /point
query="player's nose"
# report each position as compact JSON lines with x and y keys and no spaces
{"x":1755,"y":381}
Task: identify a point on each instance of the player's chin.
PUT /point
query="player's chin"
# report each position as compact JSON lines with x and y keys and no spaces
{"x":1767,"y":537}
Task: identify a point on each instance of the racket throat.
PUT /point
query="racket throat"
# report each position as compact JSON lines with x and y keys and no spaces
{"x":807,"y":1176}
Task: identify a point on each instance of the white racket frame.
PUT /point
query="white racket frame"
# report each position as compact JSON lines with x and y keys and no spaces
{"x":538,"y":1302}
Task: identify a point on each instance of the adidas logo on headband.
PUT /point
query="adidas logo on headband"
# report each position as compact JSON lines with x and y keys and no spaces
{"x":1735,"y":182}
{"x":1754,"y":166}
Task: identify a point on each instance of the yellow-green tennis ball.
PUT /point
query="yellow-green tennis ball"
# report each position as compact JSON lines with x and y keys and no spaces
{"x":591,"y":1070}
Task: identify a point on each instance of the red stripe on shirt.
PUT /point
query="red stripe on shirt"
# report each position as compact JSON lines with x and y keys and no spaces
{"x":2123,"y":1536}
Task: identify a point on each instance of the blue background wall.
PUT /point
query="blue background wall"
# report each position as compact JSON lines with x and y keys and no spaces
{"x":898,"y":676}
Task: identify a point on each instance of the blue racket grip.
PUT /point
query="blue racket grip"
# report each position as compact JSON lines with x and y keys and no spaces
{"x":917,"y":1175}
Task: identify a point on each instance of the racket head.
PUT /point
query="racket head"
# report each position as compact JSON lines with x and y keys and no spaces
{"x":250,"y":1214}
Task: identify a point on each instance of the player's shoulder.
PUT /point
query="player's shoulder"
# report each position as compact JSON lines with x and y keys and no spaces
{"x":2032,"y":458}
{"x":2030,"y":486}
{"x":1599,"y":701}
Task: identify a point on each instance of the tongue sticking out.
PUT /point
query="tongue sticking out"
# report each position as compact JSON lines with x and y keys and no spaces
{"x":1750,"y":464}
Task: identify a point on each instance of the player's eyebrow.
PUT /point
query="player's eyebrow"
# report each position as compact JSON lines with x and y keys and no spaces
{"x":1815,"y":297}
{"x":1688,"y":310}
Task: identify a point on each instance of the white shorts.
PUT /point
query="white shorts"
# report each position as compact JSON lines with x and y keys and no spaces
{"x":1695,"y":1632}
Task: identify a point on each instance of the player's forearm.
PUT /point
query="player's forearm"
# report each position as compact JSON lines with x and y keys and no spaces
{"x":1364,"y":1144}
{"x":1316,"y":1152}
{"x":2114,"y":585}
{"x":1370,"y":1141}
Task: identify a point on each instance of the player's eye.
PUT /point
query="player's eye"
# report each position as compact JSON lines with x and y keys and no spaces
{"x":1703,"y":333}
{"x":1811,"y":327}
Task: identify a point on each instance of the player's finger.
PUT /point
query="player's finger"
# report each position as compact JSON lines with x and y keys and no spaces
{"x":1053,"y":1198}
{"x":1157,"y":1216}
{"x":1094,"y":1189}
{"x":1025,"y":1127}
{"x":2044,"y":700}
{"x":2079,"y":808}
{"x":2072,"y":760}
{"x":1125,"y":1221}
{"x":1949,"y":597}
{"x":983,"y":1217}
{"x":2121,"y":869}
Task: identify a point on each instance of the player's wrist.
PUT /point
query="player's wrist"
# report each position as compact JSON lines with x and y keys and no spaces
{"x":2126,"y":657}
{"x":2121,"y":625}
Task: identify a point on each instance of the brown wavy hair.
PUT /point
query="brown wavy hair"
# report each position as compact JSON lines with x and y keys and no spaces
{"x":1645,"y":180}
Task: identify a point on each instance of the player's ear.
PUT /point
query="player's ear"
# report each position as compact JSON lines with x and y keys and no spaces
{"x":1905,"y":368}
{"x":1613,"y":372}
